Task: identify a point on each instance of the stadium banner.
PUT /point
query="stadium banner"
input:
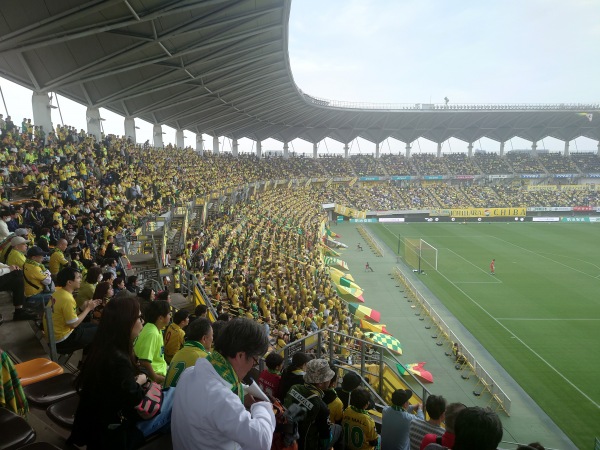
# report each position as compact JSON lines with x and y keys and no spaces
{"x":579,"y":219}
{"x":501,"y":176}
{"x":396,"y":212}
{"x":391,"y":219}
{"x":370,"y":219}
{"x":440,"y":212}
{"x":579,"y":187}
{"x":350,"y":212}
{"x":565,"y":175}
{"x":400,"y":177}
{"x":530,"y":175}
{"x":583,"y":208}
{"x":488,"y":212}
{"x":434,"y":177}
{"x":464,"y":177}
{"x":593,"y":175}
{"x":369,"y":178}
{"x":342,"y":179}
{"x":549,"y":209}
{"x":542,"y":187}
{"x":545,"y":219}
{"x":328,"y":205}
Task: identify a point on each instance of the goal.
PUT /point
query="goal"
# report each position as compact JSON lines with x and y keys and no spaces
{"x":419,"y":254}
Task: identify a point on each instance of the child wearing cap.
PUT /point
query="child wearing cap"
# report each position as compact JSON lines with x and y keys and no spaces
{"x":396,"y":420}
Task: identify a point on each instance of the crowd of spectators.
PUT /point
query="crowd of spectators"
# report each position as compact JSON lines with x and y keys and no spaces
{"x":259,"y":260}
{"x":557,"y":163}
{"x":397,"y":165}
{"x":429,"y":164}
{"x":367,"y":166}
{"x":492,"y":163}
{"x":522,"y":162}
{"x":460,"y":164}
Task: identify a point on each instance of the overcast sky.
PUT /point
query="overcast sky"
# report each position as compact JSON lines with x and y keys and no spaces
{"x":419,"y":51}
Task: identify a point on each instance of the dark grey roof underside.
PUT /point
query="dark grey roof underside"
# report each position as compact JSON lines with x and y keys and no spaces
{"x":221,"y":67}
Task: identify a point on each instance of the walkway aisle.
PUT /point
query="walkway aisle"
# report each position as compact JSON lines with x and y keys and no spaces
{"x":527,"y":422}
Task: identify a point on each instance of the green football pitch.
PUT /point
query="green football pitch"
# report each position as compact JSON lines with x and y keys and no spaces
{"x":539,"y":315}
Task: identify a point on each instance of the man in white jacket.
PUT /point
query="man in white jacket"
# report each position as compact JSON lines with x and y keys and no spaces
{"x":209,"y":411}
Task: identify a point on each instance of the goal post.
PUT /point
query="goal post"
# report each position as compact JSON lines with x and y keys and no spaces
{"x":429,"y":255}
{"x":419,"y":254}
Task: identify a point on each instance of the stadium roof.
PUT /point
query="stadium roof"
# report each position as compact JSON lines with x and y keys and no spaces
{"x":221,"y":67}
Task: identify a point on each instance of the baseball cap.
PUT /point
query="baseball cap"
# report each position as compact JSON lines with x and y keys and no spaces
{"x":35,"y":251}
{"x":318,"y":371}
{"x":401,"y":396}
{"x":17,"y":240}
{"x":21,"y":232}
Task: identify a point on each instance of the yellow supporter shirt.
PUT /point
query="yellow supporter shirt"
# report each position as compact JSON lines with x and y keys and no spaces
{"x":174,"y":340}
{"x":15,"y":258}
{"x":359,"y":429}
{"x":34,"y":274}
{"x":57,"y":261}
{"x":64,"y":312}
{"x":184,"y":358}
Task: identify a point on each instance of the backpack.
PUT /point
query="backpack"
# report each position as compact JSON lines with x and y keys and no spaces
{"x":286,"y":433}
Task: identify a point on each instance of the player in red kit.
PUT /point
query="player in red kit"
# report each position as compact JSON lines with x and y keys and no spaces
{"x":493,"y":267}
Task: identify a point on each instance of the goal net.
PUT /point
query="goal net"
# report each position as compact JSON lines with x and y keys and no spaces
{"x":419,"y":254}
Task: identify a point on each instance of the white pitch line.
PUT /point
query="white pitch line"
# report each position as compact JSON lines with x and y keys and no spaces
{"x":541,"y":319}
{"x":541,"y":255}
{"x":478,"y":282}
{"x":513,"y":335}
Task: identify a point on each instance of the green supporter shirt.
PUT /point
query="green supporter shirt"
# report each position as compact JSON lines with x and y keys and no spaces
{"x":149,"y":346}
{"x":184,"y":358}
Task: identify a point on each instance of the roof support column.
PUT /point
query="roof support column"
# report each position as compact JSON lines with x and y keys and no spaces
{"x":346,"y":150}
{"x":42,"y":111}
{"x":259,"y":149}
{"x":439,"y":149}
{"x":130,"y":128}
{"x":199,"y":144}
{"x":216,"y":149}
{"x":566,"y":152}
{"x":315,"y":148}
{"x":407,"y":153}
{"x":286,"y":150}
{"x":502,"y":148}
{"x":179,"y":142}
{"x":470,"y":150}
{"x":534,"y":149}
{"x":234,"y":147}
{"x":158,"y":135}
{"x":377,"y":150}
{"x":92,"y":116}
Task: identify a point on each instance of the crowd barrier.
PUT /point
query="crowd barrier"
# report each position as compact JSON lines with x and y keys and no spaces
{"x":370,"y":239}
{"x":468,"y":359}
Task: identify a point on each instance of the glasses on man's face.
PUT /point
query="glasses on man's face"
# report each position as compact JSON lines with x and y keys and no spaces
{"x":141,"y":318}
{"x":256,"y":360}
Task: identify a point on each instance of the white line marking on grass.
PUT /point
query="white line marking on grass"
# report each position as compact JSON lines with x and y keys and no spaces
{"x":477,"y":267}
{"x":530,"y":318}
{"x":521,"y":341}
{"x":479,"y":282}
{"x":541,"y":255}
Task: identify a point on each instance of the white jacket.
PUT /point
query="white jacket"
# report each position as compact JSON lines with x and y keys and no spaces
{"x":208,"y":415}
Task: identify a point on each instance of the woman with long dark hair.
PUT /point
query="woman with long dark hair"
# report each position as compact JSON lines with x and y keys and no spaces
{"x":110,"y":385}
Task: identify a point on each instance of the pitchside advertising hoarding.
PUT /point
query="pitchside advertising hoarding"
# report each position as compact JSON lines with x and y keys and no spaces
{"x":480,"y":212}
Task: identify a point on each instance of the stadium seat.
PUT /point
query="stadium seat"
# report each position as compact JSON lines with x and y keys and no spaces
{"x":40,"y":446}
{"x":16,"y":432}
{"x":36,"y":370}
{"x":51,"y":390}
{"x":63,"y":412}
